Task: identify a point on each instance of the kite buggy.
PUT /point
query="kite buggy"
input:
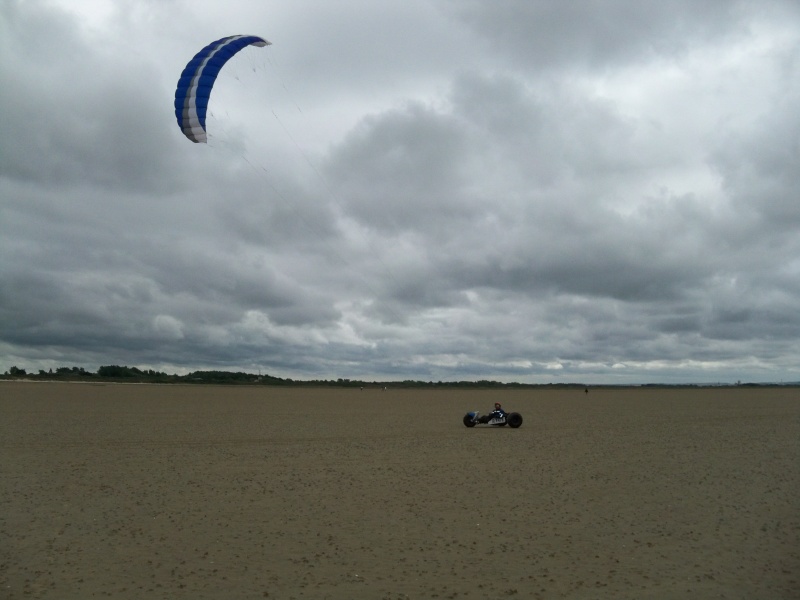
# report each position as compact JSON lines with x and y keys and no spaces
{"x":497,"y":418}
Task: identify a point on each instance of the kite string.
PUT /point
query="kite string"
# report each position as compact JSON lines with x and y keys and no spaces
{"x":224,"y":132}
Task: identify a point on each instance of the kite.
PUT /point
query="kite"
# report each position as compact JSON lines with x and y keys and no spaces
{"x":197,"y":79}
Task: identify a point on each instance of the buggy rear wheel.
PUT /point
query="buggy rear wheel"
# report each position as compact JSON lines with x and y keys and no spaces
{"x":514,"y":420}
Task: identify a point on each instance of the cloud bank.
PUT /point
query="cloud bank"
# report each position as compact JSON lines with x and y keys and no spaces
{"x":446,"y":190}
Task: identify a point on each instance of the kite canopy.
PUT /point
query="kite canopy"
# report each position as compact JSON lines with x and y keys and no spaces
{"x":197,"y":79}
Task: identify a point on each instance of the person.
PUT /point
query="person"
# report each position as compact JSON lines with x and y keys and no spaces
{"x":497,"y":412}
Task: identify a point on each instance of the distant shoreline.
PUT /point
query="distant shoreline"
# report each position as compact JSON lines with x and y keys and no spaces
{"x":183,"y":381}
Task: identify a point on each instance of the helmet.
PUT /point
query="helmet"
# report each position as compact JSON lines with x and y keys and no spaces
{"x":497,"y":405}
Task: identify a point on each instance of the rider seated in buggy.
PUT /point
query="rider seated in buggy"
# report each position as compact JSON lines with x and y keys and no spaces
{"x":497,"y":412}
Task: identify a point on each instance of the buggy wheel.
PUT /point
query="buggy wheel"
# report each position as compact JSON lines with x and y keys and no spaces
{"x":468,"y":421}
{"x":514,"y":420}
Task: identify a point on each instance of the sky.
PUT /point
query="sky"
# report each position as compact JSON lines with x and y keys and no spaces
{"x":436,"y":190}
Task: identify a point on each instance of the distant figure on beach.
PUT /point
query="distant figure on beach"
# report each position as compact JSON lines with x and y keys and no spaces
{"x":586,"y":391}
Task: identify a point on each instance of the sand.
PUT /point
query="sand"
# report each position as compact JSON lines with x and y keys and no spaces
{"x":146,"y":491}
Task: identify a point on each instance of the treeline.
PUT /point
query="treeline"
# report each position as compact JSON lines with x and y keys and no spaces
{"x":136,"y":375}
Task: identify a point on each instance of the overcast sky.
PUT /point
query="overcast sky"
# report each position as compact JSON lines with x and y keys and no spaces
{"x":532,"y":191}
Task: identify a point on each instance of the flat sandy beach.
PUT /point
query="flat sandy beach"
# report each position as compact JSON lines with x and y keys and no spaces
{"x":193,"y":492}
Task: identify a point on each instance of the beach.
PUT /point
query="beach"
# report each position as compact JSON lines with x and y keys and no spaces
{"x":204,"y":491}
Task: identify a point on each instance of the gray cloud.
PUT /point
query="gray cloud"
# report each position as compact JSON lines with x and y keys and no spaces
{"x":531,"y":192}
{"x":543,"y":34}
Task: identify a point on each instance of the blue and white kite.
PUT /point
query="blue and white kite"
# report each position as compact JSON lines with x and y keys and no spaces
{"x":197,"y":79}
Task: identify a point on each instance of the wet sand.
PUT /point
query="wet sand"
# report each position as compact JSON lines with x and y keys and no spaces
{"x":193,"y":492}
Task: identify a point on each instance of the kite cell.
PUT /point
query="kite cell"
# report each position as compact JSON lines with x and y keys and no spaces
{"x":197,"y":79}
